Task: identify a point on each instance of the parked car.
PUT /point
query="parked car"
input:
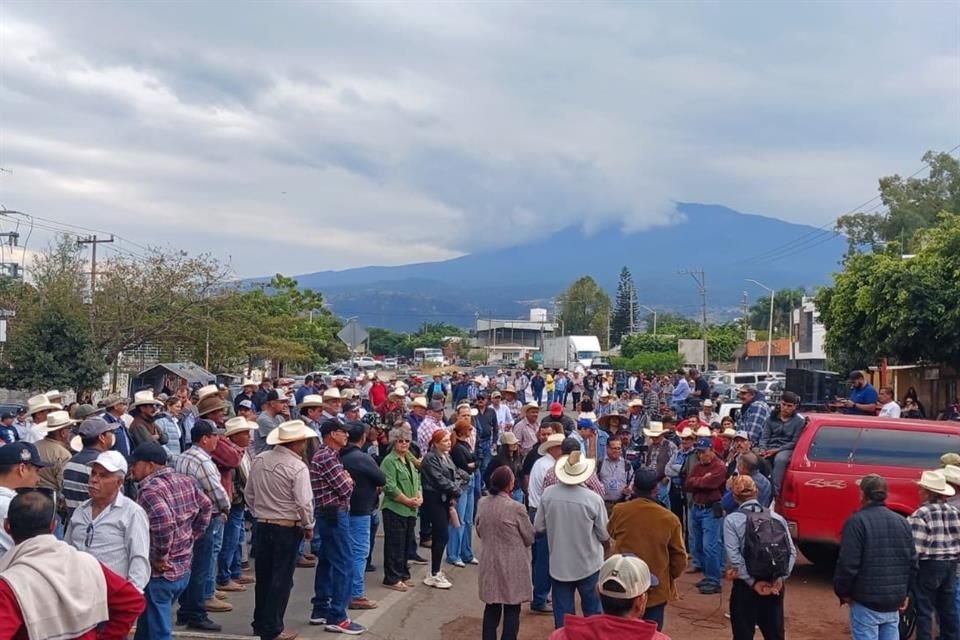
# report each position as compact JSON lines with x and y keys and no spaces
{"x":834,"y":451}
{"x":390,"y":363}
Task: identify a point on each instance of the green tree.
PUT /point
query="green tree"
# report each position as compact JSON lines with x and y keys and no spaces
{"x":383,"y":342}
{"x":626,"y":312}
{"x":647,"y":343}
{"x":53,"y":349}
{"x":784,"y":302}
{"x":660,"y":362}
{"x":673,"y":324}
{"x":585,"y":309}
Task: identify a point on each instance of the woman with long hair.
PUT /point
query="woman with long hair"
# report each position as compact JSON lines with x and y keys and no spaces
{"x":508,"y":455}
{"x":460,"y":539}
{"x":440,"y":492}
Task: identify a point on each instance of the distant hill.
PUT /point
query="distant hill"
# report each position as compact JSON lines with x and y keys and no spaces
{"x":506,"y":282}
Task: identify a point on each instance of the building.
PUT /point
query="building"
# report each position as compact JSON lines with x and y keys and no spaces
{"x":937,"y":385}
{"x":753,"y":355}
{"x":514,"y":340}
{"x":806,"y":349}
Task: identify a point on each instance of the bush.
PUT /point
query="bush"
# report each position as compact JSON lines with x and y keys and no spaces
{"x":647,"y":343}
{"x":531,"y":364}
{"x":649,"y":361}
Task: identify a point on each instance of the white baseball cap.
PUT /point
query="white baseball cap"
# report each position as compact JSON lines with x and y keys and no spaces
{"x":629,"y":572}
{"x":112,"y":461}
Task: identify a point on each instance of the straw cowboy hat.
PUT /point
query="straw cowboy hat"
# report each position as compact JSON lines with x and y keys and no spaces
{"x":397,"y":392}
{"x":420,"y":401}
{"x":290,"y":431}
{"x":54,"y":396}
{"x":311,"y":400}
{"x":141,"y":398}
{"x":687,"y":433}
{"x":239,"y":425}
{"x":207,"y":390}
{"x":508,"y":438}
{"x":511,"y":391}
{"x":655,"y":431}
{"x":952,"y":473}
{"x":247,"y":382}
{"x":41,"y":403}
{"x":635,"y":403}
{"x":936,"y":482}
{"x":704,"y":432}
{"x":113,"y":400}
{"x":574,"y":469}
{"x":530,"y":406}
{"x":729,"y":433}
{"x":332,"y":394}
{"x":605,"y":419}
{"x":209,"y":404}
{"x":56,"y":420}
{"x":555,"y":440}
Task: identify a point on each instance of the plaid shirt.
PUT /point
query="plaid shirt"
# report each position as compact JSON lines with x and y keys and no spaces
{"x":936,"y":531}
{"x":197,"y":463}
{"x":753,"y":419}
{"x":329,"y":479}
{"x":179,"y":514}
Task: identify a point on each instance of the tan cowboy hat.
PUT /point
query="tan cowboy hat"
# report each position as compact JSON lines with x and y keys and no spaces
{"x":687,"y":433}
{"x":332,"y":394}
{"x":420,"y":401}
{"x":936,"y":482}
{"x":311,"y":400}
{"x":574,"y":469}
{"x":508,"y":438}
{"x":208,"y":390}
{"x":348,"y":394}
{"x":239,"y":425}
{"x":141,"y":398}
{"x":209,"y":404}
{"x":531,"y":405}
{"x":605,"y":394}
{"x":704,"y":432}
{"x":605,"y":419}
{"x":397,"y":392}
{"x":635,"y":403}
{"x":655,"y":431}
{"x":952,"y":473}
{"x":56,"y":420}
{"x":54,"y":396}
{"x":41,"y":403}
{"x":112,"y":401}
{"x":555,"y":440}
{"x":729,"y":433}
{"x":290,"y":431}
{"x":511,"y":391}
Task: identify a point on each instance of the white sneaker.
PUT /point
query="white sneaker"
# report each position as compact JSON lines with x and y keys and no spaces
{"x":440,"y":582}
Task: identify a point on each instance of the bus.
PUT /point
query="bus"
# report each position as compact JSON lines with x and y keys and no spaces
{"x":428,"y":356}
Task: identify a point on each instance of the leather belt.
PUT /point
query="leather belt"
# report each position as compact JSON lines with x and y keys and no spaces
{"x":279,"y":523}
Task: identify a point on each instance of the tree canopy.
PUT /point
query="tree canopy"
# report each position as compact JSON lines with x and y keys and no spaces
{"x":784,"y":302}
{"x":626,"y":314}
{"x":584,"y":308}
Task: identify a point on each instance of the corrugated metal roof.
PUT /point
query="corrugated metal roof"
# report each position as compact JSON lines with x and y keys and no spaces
{"x":189,"y":371}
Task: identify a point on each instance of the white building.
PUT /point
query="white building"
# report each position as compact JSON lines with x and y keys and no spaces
{"x":514,"y":340}
{"x":808,"y":336}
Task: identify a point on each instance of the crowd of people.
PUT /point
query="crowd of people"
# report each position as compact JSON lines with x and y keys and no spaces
{"x":177,"y":500}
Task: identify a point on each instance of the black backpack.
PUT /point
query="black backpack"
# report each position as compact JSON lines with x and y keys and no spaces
{"x":766,"y":547}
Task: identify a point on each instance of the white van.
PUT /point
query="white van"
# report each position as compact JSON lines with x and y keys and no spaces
{"x":752,"y":377}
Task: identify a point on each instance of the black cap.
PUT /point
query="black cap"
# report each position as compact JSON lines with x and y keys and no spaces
{"x":569,"y":445}
{"x":149,"y":452}
{"x":790,"y":397}
{"x":356,"y":430}
{"x":200,"y":430}
{"x":7,"y":416}
{"x":329,"y":426}
{"x":856,"y":375}
{"x":21,"y":452}
{"x":644,"y":480}
{"x":272,"y":395}
{"x":349,"y":406}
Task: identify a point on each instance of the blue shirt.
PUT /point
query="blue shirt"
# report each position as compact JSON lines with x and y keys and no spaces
{"x":8,"y":434}
{"x":764,"y":497}
{"x":680,"y":391}
{"x":865,"y":395}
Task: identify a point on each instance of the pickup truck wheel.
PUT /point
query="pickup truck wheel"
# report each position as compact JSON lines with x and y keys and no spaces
{"x":823,"y":556}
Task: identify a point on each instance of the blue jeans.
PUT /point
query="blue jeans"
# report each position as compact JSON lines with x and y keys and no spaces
{"x":563,"y":594}
{"x":359,"y":547}
{"x":156,"y":621}
{"x":334,"y":576}
{"x":867,"y":624}
{"x":485,"y":454}
{"x":655,"y":614}
{"x":192,"y":600}
{"x":231,"y":552}
{"x":663,"y":495}
{"x":541,"y":568}
{"x":210,"y":584}
{"x":460,"y":541}
{"x":706,"y":533}
{"x":518,"y":495}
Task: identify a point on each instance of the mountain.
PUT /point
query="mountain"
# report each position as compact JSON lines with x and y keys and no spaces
{"x":505,"y":282}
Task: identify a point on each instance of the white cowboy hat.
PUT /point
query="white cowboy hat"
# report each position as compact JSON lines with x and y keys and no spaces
{"x":708,"y":402}
{"x":605,"y":394}
{"x":704,"y":432}
{"x":145,"y":397}
{"x":290,"y":431}
{"x":509,"y":390}
{"x":311,"y":400}
{"x":207,"y":390}
{"x":39,"y":403}
{"x":729,"y":433}
{"x":238,"y":425}
{"x":53,"y":395}
{"x":635,"y":403}
{"x":398,"y":392}
{"x":952,"y":473}
{"x":347,"y":394}
{"x":56,"y":420}
{"x":113,"y":400}
{"x":555,"y":440}
{"x":574,"y":469}
{"x":332,"y":394}
{"x":687,"y":433}
{"x":655,"y":430}
{"x":421,"y":402}
{"x":531,"y":405}
{"x":508,"y":438}
{"x":76,"y":444}
{"x":936,"y":482}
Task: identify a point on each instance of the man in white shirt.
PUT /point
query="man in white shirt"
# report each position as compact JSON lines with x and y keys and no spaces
{"x":549,"y":451}
{"x":888,"y":406}
{"x":19,"y":466}
{"x":504,"y":415}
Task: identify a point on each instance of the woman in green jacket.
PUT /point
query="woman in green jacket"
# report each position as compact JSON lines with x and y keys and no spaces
{"x":402,"y":497}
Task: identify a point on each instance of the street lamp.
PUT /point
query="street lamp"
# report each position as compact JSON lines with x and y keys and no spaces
{"x":770,"y":325}
{"x":654,"y":312}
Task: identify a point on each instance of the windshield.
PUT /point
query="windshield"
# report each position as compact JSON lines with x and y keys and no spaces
{"x":587,"y":355}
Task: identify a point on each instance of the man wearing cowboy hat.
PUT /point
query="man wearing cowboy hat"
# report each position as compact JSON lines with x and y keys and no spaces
{"x":936,"y":535}
{"x":248,"y":389}
{"x":393,"y":410}
{"x":280,"y":498}
{"x":575,"y":521}
{"x":54,"y":449}
{"x":549,"y":451}
{"x":115,"y":412}
{"x":418,"y":413}
{"x":526,"y":428}
{"x":235,"y":440}
{"x":38,"y":407}
{"x":268,"y":419}
{"x":637,"y":419}
{"x":20,"y":465}
{"x":144,"y":411}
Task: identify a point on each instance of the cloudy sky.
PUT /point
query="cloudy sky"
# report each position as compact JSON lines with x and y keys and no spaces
{"x":300,"y":136}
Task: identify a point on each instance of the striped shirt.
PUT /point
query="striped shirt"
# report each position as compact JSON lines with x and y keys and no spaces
{"x":330,"y":481}
{"x":76,"y":476}
{"x":936,"y":531}
{"x":197,"y":464}
{"x":119,"y":537}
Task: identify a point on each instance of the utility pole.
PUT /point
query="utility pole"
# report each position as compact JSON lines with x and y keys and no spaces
{"x":746,"y":321}
{"x":631,"y":310}
{"x":93,"y":241}
{"x":701,"y":279}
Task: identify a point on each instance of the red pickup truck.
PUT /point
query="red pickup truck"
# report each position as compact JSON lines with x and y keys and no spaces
{"x":834,"y":451}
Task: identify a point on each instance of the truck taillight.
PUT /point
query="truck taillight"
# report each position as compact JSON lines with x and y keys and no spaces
{"x":789,"y":496}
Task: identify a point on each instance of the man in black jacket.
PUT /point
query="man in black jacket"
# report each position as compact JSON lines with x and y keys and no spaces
{"x":877,"y":564}
{"x":368,"y":479}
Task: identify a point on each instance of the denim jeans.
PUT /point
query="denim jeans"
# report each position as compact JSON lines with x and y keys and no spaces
{"x":655,"y":614}
{"x":517,"y":495}
{"x":156,"y":622}
{"x":334,"y":576}
{"x":192,"y":600}
{"x":460,"y":541}
{"x":705,"y":534}
{"x":231,"y":552}
{"x":563,"y":598}
{"x":867,"y":624}
{"x":484,"y":455}
{"x":934,"y":597}
{"x":210,"y":584}
{"x":541,"y":567}
{"x":374,"y":527}
{"x":780,"y":463}
{"x":359,"y":546}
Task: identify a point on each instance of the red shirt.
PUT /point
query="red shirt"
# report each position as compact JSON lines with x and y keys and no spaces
{"x":707,"y":481}
{"x":124,"y":605}
{"x":378,"y":394}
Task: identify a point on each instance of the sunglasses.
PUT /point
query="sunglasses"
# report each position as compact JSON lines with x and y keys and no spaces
{"x":407,"y":440}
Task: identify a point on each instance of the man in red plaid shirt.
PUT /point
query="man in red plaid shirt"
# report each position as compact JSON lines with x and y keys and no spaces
{"x":179,"y":513}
